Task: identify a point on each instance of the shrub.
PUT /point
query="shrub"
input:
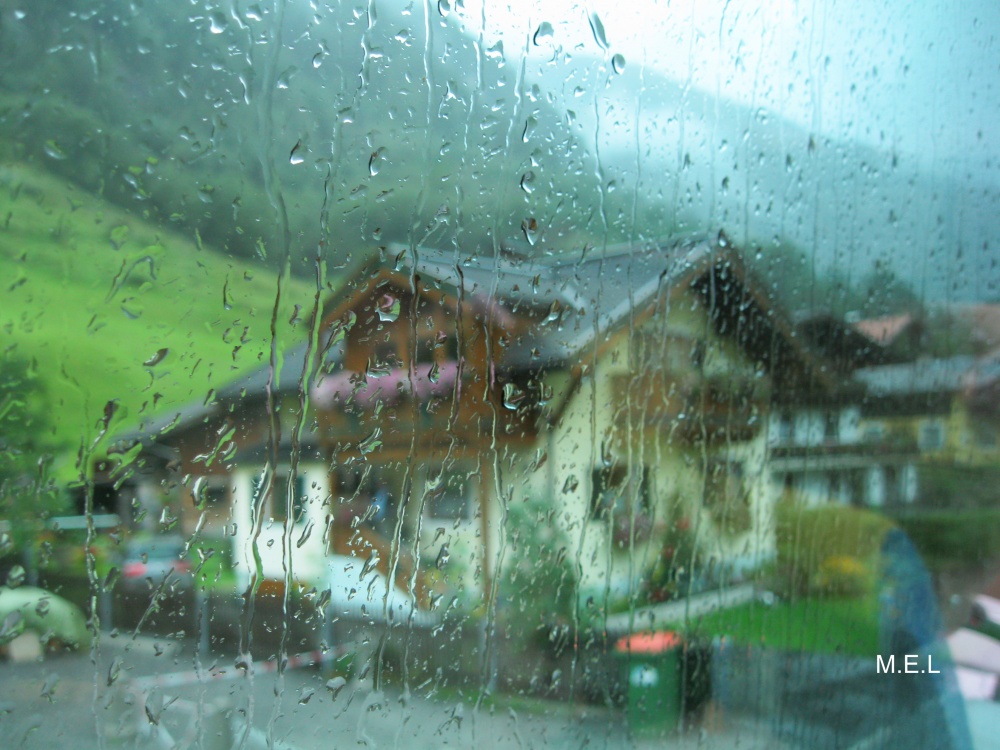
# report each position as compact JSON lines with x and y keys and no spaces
{"x":808,"y":538}
{"x":842,"y":575}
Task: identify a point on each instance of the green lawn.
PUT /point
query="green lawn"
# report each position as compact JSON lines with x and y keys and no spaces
{"x":91,"y":293}
{"x":815,"y":625}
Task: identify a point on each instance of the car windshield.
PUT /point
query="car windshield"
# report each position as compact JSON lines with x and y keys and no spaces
{"x":466,"y":374}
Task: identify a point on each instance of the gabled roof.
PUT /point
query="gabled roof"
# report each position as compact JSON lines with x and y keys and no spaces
{"x":574,"y":301}
{"x":563,"y":305}
{"x":884,"y":331}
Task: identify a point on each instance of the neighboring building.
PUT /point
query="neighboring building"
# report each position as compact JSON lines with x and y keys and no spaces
{"x":946,"y":408}
{"x":619,"y":392}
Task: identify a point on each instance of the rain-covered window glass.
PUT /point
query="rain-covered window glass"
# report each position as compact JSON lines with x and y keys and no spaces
{"x":464,"y":374}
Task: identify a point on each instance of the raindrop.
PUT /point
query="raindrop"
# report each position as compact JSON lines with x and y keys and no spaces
{"x":375,"y":161}
{"x":434,"y":374}
{"x":443,"y":556}
{"x":218,"y":23}
{"x":370,"y":564}
{"x":618,"y":64}
{"x":6,"y":543}
{"x":11,"y":627}
{"x":49,"y":686}
{"x":570,"y":484}
{"x":297,"y":156}
{"x":526,"y":179}
{"x":529,"y":128}
{"x":513,"y":396}
{"x":111,"y":578}
{"x":42,"y":608}
{"x":15,"y":577}
{"x":388,"y":308}
{"x":554,"y":312}
{"x":444,"y":8}
{"x":304,"y":537}
{"x":543,"y":33}
{"x":305,"y":695}
{"x":598,"y":30}
{"x":158,"y":357}
{"x":335,"y":686}
{"x":54,"y":151}
{"x":530,"y":228}
{"x":376,"y":369}
{"x":114,"y":671}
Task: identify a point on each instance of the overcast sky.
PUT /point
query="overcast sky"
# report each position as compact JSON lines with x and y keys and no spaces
{"x":922,"y":78}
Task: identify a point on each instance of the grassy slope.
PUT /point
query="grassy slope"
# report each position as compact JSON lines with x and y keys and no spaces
{"x":90,"y":293}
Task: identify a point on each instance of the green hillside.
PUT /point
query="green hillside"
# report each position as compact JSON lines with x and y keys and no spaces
{"x":92,"y":296}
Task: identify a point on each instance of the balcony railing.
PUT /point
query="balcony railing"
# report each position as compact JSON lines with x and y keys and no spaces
{"x":703,"y":411}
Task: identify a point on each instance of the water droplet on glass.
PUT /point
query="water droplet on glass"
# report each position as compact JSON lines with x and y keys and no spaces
{"x":513,"y":396}
{"x":12,"y":626}
{"x":304,"y":537}
{"x":15,"y":577}
{"x":42,"y":608}
{"x":598,"y":30}
{"x":218,"y":23}
{"x":376,"y":369}
{"x":443,"y":556}
{"x":305,"y":695}
{"x":54,"y":151}
{"x":570,"y":484}
{"x":111,"y":578}
{"x":49,"y":687}
{"x":6,"y":543}
{"x":114,"y":671}
{"x":158,"y":357}
{"x":297,"y":156}
{"x":543,"y":33}
{"x":388,"y":308}
{"x":529,"y":128}
{"x":526,"y":182}
{"x":555,"y":310}
{"x":444,"y":8}
{"x":371,"y":443}
{"x":375,"y":161}
{"x":434,"y":374}
{"x":530,"y":228}
{"x":618,"y":64}
{"x":370,"y":564}
{"x":335,"y":686}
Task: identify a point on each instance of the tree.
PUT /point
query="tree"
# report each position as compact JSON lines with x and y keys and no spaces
{"x":27,"y":493}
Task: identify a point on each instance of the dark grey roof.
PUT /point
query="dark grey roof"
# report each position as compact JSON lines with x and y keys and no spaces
{"x":575,"y":301}
{"x":579,"y":298}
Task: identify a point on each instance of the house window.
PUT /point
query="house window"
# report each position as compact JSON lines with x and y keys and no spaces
{"x":931,"y":436}
{"x":451,"y":498}
{"x":278,"y":503}
{"x":727,"y":496}
{"x":614,"y":487}
{"x":831,"y":427}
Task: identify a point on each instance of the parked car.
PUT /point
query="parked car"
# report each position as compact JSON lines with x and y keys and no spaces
{"x":56,"y":622}
{"x":151,"y":562}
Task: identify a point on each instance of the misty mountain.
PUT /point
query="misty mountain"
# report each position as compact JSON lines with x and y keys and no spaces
{"x":296,"y":130}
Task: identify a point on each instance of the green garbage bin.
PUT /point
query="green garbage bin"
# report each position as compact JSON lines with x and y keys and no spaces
{"x":651,"y":676}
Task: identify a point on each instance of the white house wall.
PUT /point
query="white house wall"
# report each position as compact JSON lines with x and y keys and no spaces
{"x":307,"y":546}
{"x":590,"y":428}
